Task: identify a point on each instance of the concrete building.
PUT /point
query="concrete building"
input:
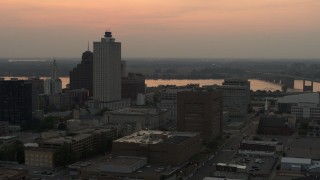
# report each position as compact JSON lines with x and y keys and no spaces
{"x":7,"y":140}
{"x":4,"y":128}
{"x":132,"y":85}
{"x":13,"y":174}
{"x":168,"y":100}
{"x":307,"y":112}
{"x":64,"y":101}
{"x":275,"y":125}
{"x":35,"y":156}
{"x":107,"y":69}
{"x":16,"y":101}
{"x":80,"y":141}
{"x":137,"y":118}
{"x":171,"y":148}
{"x":200,"y":112}
{"x":236,"y":98}
{"x":285,"y":103}
{"x":123,"y":167}
{"x":82,"y":75}
{"x":267,"y":146}
{"x":53,"y":85}
{"x":295,"y":164}
{"x":37,"y":89}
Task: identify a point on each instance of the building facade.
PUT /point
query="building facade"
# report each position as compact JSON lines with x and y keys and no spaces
{"x":82,"y":75}
{"x":16,"y":101}
{"x":107,"y":69}
{"x":132,"y":85}
{"x":236,"y":98}
{"x":200,"y":112}
{"x":4,"y":128}
{"x":132,"y":119}
{"x":35,"y":156}
{"x":171,"y":148}
{"x":53,"y":85}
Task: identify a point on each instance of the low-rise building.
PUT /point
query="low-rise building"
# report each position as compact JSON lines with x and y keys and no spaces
{"x":80,"y":141}
{"x":35,"y":156}
{"x":159,"y":146}
{"x":269,"y":146}
{"x":275,"y":125}
{"x":4,"y":128}
{"x":7,"y":140}
{"x":13,"y":174}
{"x":137,"y":117}
{"x":123,"y":167}
{"x":295,"y":164}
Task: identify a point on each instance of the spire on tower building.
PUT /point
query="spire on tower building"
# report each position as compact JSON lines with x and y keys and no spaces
{"x":54,"y":70}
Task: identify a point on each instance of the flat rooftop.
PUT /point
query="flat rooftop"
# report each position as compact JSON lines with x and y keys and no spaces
{"x":295,"y":160}
{"x":125,"y":160}
{"x":270,"y":143}
{"x":232,"y":165}
{"x":6,"y":173}
{"x":7,"y":137}
{"x":156,"y":137}
{"x":137,"y":111}
{"x":67,"y":139}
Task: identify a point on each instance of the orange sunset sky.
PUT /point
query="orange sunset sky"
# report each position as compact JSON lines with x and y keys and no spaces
{"x":162,"y":28}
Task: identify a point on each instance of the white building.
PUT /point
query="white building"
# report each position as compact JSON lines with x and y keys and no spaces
{"x":53,"y":85}
{"x":295,"y":164}
{"x":107,"y":70}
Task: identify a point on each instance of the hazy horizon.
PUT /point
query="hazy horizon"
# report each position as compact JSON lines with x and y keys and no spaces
{"x":221,"y":29}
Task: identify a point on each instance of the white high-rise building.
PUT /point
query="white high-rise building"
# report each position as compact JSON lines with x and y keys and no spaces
{"x":53,"y":85}
{"x":107,"y":70}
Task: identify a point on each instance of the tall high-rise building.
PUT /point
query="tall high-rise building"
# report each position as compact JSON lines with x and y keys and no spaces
{"x":53,"y":85}
{"x":16,"y":101}
{"x":106,"y":70}
{"x":82,"y":75}
{"x":200,"y":112}
{"x":37,"y":89}
{"x":236,"y":98}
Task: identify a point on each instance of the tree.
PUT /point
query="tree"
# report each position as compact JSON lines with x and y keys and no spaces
{"x":12,"y":152}
{"x":47,"y":123}
{"x":64,"y":156}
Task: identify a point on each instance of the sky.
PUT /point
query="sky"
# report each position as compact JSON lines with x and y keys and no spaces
{"x":162,"y":28}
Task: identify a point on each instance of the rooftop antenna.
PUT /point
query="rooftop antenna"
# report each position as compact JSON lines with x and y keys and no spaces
{"x":88,"y":45}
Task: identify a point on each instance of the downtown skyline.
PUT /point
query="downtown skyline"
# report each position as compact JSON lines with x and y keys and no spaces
{"x":175,"y":29}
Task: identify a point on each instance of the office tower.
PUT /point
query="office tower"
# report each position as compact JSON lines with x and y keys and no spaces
{"x":106,"y":70}
{"x":82,"y":75}
{"x":37,"y":89}
{"x":132,"y":85}
{"x":236,"y":98}
{"x":200,"y":112}
{"x":124,"y":69}
{"x":53,"y":85}
{"x":16,"y":101}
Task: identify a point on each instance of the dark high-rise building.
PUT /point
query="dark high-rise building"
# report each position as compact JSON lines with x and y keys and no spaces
{"x":200,"y":112}
{"x":82,"y":75}
{"x":37,"y":89}
{"x":132,"y":85}
{"x":15,"y":101}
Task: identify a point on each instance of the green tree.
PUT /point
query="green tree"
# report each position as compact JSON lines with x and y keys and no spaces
{"x":47,"y":123}
{"x":12,"y":152}
{"x":64,"y":156}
